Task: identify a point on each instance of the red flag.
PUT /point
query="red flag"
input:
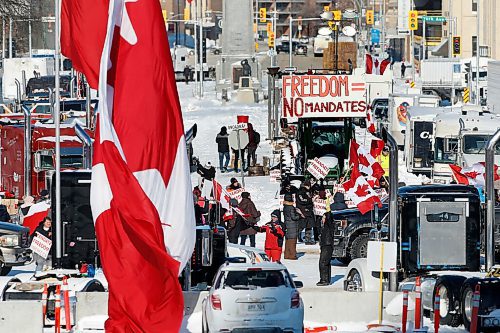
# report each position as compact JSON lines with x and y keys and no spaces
{"x":370,"y":123}
{"x":141,"y":190}
{"x":35,"y":215}
{"x":360,"y":192}
{"x":474,"y":175}
{"x":368,"y":64}
{"x":383,"y":66}
{"x":364,"y":162}
{"x":376,"y":147}
{"x":375,"y":65}
{"x":221,"y":195}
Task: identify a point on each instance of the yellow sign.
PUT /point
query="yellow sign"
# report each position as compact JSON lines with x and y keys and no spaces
{"x":270,"y":40}
{"x":326,"y":8}
{"x":466,"y":97}
{"x":337,"y":15}
{"x":413,"y":20}
{"x":332,"y":25}
{"x":369,"y":17}
{"x":263,"y":15}
{"x":164,"y":12}
{"x":187,"y":14}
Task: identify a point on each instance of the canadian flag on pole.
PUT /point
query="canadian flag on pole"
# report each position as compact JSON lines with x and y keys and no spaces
{"x":375,"y":65}
{"x":360,"y":192}
{"x":365,"y":162}
{"x":141,"y":189}
{"x":36,"y":213}
{"x":473,"y":175}
{"x":376,"y":147}
{"x":370,"y":123}
{"x":221,"y":195}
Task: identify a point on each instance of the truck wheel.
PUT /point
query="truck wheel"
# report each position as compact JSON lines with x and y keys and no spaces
{"x":466,"y":301}
{"x":359,"y":247}
{"x":4,"y":270}
{"x":354,"y":281}
{"x":449,"y":292}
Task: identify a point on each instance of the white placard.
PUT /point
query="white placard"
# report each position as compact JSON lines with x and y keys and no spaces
{"x":318,"y":169}
{"x":389,"y":259}
{"x":330,"y":96}
{"x":274,"y":176}
{"x":41,"y":245}
{"x":236,"y":194}
{"x":240,"y":126}
{"x":319,"y":206}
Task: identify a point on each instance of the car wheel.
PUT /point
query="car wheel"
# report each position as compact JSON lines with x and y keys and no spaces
{"x":359,"y":247}
{"x":4,"y":270}
{"x":448,"y":287}
{"x":466,"y":301}
{"x":353,"y":281}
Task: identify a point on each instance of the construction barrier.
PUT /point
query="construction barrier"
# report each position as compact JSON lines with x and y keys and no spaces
{"x":67,"y":305}
{"x":404,"y":316}
{"x":320,"y":329}
{"x":475,"y":309}
{"x":437,"y":315}
{"x":57,"y":314}
{"x":45,"y":294}
{"x":412,"y":84}
{"x":418,"y":304}
{"x":466,"y":95}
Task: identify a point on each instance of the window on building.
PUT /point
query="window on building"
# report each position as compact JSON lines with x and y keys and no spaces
{"x":474,"y":5}
{"x":474,"y":46}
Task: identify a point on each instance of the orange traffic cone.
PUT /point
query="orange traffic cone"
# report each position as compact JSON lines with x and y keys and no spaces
{"x":67,"y":305}
{"x":58,"y":310}
{"x":44,"y":301}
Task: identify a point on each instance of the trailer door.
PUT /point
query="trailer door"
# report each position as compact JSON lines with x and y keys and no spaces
{"x":442,"y":233}
{"x":422,"y":145}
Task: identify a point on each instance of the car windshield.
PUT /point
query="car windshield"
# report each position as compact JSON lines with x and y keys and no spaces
{"x":476,"y":144}
{"x":254,"y":279}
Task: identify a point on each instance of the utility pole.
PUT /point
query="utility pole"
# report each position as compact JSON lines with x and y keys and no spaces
{"x":412,"y":50}
{"x":3,"y":39}
{"x":478,"y":99}
{"x":10,"y":37}
{"x":57,"y":119}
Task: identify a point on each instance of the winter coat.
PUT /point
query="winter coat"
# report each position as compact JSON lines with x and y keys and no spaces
{"x":222,"y":140}
{"x":41,"y":230}
{"x":338,"y":202}
{"x":327,"y":230}
{"x":208,"y":174}
{"x":4,"y":214}
{"x":232,"y":187}
{"x":251,"y":214}
{"x":304,"y":202}
{"x":274,"y":235}
{"x":291,"y":220}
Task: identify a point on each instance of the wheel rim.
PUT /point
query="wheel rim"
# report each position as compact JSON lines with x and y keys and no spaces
{"x":468,"y":304}
{"x":363,"y":249}
{"x":355,"y":280}
{"x":444,"y":301}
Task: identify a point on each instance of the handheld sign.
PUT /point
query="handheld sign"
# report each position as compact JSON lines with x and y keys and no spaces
{"x":240,"y":126}
{"x":317,"y":169}
{"x":41,"y":245}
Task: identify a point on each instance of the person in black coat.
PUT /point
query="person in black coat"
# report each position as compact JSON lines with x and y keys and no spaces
{"x":4,"y":214}
{"x":304,"y":203}
{"x":222,"y":141}
{"x":207,"y":175}
{"x":45,"y":229}
{"x":291,"y":217}
{"x":338,"y":202}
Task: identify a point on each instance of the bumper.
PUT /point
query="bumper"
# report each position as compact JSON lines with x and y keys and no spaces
{"x":289,"y":323}
{"x":16,"y":256}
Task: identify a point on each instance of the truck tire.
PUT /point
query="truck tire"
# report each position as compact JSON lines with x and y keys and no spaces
{"x":354,"y":278}
{"x":449,"y":287}
{"x":467,"y":293}
{"x":4,"y":270}
{"x":359,"y":247}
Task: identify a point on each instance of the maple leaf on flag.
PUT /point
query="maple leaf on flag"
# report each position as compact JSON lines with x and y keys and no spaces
{"x":472,"y":174}
{"x":362,"y":190}
{"x":363,"y":160}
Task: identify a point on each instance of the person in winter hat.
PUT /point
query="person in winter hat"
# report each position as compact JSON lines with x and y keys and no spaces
{"x":274,"y":236}
{"x":44,"y":229}
{"x":234,"y":185}
{"x":291,"y":216}
{"x":250,"y":216}
{"x":207,"y":175}
{"x":305,"y":205}
{"x":233,"y":223}
{"x":222,"y":140}
{"x":338,"y":202}
{"x":254,"y":140}
{"x":44,"y":195}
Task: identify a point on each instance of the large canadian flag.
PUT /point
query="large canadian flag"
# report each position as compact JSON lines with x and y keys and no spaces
{"x":360,"y":192}
{"x":375,"y":65}
{"x":35,"y":215}
{"x":141,"y":190}
{"x":474,"y":175}
{"x":360,"y":158}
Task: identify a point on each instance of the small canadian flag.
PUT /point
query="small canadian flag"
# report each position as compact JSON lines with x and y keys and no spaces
{"x":473,"y":175}
{"x":370,"y":123}
{"x":360,"y":192}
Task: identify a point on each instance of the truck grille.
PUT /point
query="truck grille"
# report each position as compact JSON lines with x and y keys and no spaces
{"x":24,"y":241}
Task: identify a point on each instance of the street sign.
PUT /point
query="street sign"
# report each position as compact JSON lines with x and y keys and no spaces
{"x":290,"y":69}
{"x":433,"y":18}
{"x":263,"y":15}
{"x":369,"y":16}
{"x":240,"y":126}
{"x":375,"y":33}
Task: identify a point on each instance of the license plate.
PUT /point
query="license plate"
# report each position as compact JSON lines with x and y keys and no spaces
{"x":256,"y":307}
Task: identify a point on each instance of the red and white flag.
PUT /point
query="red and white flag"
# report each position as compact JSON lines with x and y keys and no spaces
{"x":36,"y":213}
{"x":221,"y":195}
{"x":141,"y":189}
{"x":370,"y":123}
{"x":360,"y":192}
{"x":376,"y":147}
{"x":375,"y":65}
{"x":474,"y":175}
{"x":365,"y":162}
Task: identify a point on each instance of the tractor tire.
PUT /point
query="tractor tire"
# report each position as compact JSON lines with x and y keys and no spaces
{"x":359,"y":247}
{"x":449,"y":291}
{"x":467,"y":293}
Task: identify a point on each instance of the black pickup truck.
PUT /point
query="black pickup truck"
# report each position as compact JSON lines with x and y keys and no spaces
{"x":14,"y":246}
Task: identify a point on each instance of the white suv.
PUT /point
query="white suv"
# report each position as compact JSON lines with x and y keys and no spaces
{"x":253,"y":298}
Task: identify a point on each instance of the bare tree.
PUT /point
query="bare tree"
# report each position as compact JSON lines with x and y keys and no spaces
{"x":15,"y":8}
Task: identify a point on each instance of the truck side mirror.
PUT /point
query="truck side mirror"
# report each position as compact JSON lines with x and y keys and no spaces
{"x":206,"y":248}
{"x":37,"y":162}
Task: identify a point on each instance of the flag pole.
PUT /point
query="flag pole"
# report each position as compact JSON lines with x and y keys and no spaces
{"x":57,"y":119}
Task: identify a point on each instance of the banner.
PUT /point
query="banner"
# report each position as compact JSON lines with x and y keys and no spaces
{"x":323,"y":96}
{"x":274,"y":176}
{"x":41,"y":245}
{"x":317,"y":169}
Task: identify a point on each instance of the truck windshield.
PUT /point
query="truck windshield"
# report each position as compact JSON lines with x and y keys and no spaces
{"x":328,"y":140}
{"x":71,"y":161}
{"x":476,"y":144}
{"x":446,"y":150}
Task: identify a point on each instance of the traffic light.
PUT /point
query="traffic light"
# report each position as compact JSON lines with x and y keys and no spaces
{"x":413,"y":20}
{"x":262,"y":15}
{"x":187,"y":14}
{"x":270,"y":39}
{"x":269,"y":28}
{"x":369,"y":16}
{"x":457,"y":45}
{"x":337,"y":15}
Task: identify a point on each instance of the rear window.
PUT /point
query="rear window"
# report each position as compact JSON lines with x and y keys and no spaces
{"x":253,"y":279}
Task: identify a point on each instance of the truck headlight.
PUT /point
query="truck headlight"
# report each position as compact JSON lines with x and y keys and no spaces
{"x":9,"y":240}
{"x":495,"y":322}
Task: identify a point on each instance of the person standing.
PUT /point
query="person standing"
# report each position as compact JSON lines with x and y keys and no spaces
{"x":384,"y":159}
{"x":305,"y":205}
{"x":403,"y":69}
{"x":236,"y":153}
{"x":44,"y":229}
{"x":274,"y":236}
{"x":291,"y":217}
{"x":222,"y":141}
{"x":234,"y":185}
{"x":207,"y":175}
{"x":251,"y":217}
{"x":233,"y":223}
{"x":254,"y":140}
{"x":187,"y":73}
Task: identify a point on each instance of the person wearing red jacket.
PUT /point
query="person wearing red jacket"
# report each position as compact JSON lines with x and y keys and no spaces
{"x":274,"y":236}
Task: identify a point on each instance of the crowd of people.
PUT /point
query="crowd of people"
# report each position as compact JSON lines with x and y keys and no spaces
{"x":224,"y":150}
